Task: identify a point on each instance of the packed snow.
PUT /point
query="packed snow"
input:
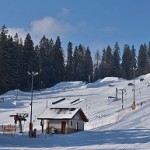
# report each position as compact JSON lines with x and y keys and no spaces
{"x":109,"y":126}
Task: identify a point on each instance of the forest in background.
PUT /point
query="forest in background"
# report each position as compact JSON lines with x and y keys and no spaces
{"x":18,"y":58}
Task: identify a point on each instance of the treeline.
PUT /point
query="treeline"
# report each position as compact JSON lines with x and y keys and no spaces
{"x":130,"y":65}
{"x":18,"y":58}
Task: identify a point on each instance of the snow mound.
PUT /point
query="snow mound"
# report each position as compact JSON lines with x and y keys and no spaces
{"x":104,"y":82}
{"x":147,"y":76}
{"x":110,"y":79}
{"x":7,"y":104}
{"x":15,"y":92}
{"x":68,"y":85}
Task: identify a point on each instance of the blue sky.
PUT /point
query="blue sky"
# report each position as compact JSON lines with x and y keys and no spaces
{"x":93,"y":23}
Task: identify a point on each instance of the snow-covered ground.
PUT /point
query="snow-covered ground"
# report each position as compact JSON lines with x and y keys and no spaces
{"x":109,"y":126}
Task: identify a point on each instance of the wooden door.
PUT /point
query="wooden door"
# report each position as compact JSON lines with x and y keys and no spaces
{"x":63,"y":127}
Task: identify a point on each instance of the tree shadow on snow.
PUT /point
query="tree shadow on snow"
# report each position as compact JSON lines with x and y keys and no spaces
{"x":87,"y":138}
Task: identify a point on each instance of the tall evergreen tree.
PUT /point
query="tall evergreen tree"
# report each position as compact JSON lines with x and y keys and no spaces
{"x":108,"y":57}
{"x":88,"y":70}
{"x":126,"y":62}
{"x":75,"y":62}
{"x":10,"y":63}
{"x":108,"y":61}
{"x":142,"y":60}
{"x":44,"y":62}
{"x":69,"y":74}
{"x":133,"y":62}
{"x":79,"y":63}
{"x":17,"y":57}
{"x":59,"y":61}
{"x":3,"y":55}
{"x":116,"y":68}
{"x":51,"y":63}
{"x":103,"y":66}
{"x":29,"y":61}
{"x":97,"y":58}
{"x":96,"y":65}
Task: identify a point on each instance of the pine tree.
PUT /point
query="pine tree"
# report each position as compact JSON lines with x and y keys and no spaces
{"x":142,"y":60}
{"x":59,"y":61}
{"x":51,"y":61}
{"x":69,"y":74}
{"x":103,"y":66}
{"x":133,"y":62}
{"x":108,"y":54}
{"x":79,"y":63}
{"x":29,"y":62}
{"x":10,"y":63}
{"x":3,"y":55}
{"x":97,"y":63}
{"x":97,"y":58}
{"x":45,"y":65}
{"x":75,"y":62}
{"x":88,"y":70}
{"x":18,"y":49}
{"x":116,"y":68}
{"x":106,"y":64}
{"x":104,"y":56}
{"x":126,"y":62}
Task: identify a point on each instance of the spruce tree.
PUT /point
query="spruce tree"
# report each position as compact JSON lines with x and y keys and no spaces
{"x":29,"y":62}
{"x":79,"y":63}
{"x":88,"y":70}
{"x":116,"y":68}
{"x":10,"y":64}
{"x":75,"y":62}
{"x":103,"y":65}
{"x":96,"y":65}
{"x":126,"y":63}
{"x":58,"y":61}
{"x":18,"y":48}
{"x":44,"y":62}
{"x":133,"y":62}
{"x":69,"y":74}
{"x":142,"y":60}
{"x":107,"y":63}
{"x":3,"y":55}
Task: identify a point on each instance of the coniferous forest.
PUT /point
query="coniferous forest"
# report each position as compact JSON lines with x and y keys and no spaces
{"x":18,"y":58}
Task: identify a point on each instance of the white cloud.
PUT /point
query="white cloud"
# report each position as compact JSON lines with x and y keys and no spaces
{"x":47,"y":26}
{"x":64,"y":13}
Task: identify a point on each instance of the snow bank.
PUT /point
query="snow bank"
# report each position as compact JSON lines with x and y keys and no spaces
{"x":110,"y":79}
{"x":104,"y":82}
{"x":100,"y":121}
{"x":68,"y":85}
{"x":7,"y":104}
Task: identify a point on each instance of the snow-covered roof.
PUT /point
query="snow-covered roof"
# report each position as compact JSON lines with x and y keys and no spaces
{"x":61,"y":113}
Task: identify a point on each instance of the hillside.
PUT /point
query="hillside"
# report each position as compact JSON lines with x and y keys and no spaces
{"x":106,"y":117}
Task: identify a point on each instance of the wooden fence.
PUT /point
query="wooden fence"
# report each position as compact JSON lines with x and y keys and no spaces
{"x":8,"y":129}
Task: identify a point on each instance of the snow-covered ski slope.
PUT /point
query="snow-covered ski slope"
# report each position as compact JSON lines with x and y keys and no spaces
{"x":109,"y":126}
